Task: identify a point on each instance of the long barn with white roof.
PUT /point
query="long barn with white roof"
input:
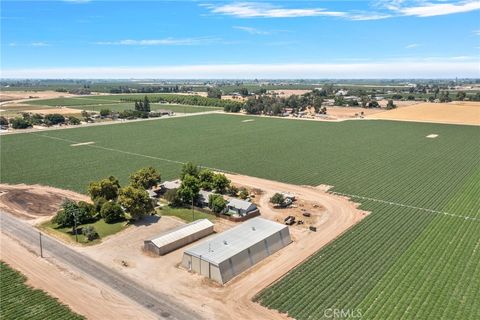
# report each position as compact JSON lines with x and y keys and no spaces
{"x":179,"y":237}
{"x":228,"y":254}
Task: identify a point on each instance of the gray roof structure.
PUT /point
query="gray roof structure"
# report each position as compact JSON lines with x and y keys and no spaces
{"x":227,"y":244}
{"x":175,"y":184}
{"x":181,"y":232}
{"x":239,"y":203}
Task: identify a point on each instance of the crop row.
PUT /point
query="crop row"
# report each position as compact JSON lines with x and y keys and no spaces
{"x":20,"y":301}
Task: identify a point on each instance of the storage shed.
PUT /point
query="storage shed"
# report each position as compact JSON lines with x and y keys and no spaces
{"x":179,"y":237}
{"x":228,"y":254}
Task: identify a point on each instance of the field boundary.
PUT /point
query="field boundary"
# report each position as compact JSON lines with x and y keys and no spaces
{"x":236,"y":173}
{"x":405,"y":205}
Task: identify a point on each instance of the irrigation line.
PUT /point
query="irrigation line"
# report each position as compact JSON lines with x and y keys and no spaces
{"x":231,"y":172}
{"x":128,"y":152}
{"x":406,"y":206}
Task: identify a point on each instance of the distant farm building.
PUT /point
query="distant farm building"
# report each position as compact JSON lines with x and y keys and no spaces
{"x":230,"y":253}
{"x":203,"y":197}
{"x":179,"y":237}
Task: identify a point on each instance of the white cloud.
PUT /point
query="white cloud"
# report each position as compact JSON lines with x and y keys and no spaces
{"x":159,"y":42}
{"x":412,"y":45}
{"x":39,"y":44}
{"x":429,"y":9}
{"x":447,"y":68}
{"x":251,"y":30}
{"x":266,"y":10}
{"x":389,"y":8}
{"x":476,"y":32}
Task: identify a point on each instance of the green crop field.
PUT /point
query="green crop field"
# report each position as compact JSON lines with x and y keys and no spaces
{"x":111,"y":102}
{"x":20,"y":301}
{"x":416,"y":256}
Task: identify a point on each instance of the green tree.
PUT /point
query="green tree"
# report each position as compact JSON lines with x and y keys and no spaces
{"x":105,"y":112}
{"x":106,"y":188}
{"x":73,"y":120}
{"x":189,"y":189}
{"x":54,"y":118}
{"x":277,"y":199}
{"x":189,"y":168}
{"x":205,"y":176}
{"x":461,"y":95}
{"x":136,"y":202}
{"x":19,"y":123}
{"x":390,"y":105}
{"x":243,"y":194}
{"x":145,"y":178}
{"x":112,"y":212}
{"x":90,"y":233}
{"x":220,"y":183}
{"x":216,"y":203}
{"x":214,"y":93}
{"x":173,"y":198}
{"x":71,"y":213}
{"x":146,"y":104}
{"x":3,"y":121}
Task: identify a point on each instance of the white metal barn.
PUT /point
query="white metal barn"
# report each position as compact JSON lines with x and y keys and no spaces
{"x":179,"y":237}
{"x":228,"y":254}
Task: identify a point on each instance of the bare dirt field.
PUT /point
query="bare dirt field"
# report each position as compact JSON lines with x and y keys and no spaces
{"x":62,"y":110}
{"x":453,"y":112}
{"x":350,"y":112}
{"x":20,"y":95}
{"x":288,"y":93}
{"x":34,"y":203}
{"x":332,"y":215}
{"x":86,"y":297}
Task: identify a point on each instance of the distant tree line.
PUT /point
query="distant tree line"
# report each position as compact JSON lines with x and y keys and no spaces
{"x":27,"y":120}
{"x":193,"y":100}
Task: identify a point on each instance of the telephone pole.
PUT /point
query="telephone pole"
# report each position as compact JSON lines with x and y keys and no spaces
{"x":41,"y":247}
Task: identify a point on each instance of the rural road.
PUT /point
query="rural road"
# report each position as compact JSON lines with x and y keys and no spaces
{"x":160,"y":305}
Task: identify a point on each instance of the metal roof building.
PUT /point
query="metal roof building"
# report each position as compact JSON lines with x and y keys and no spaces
{"x":179,"y":237}
{"x":230,"y":253}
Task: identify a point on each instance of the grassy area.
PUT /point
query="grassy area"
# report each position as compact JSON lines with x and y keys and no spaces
{"x":185,"y":214}
{"x":404,"y":253}
{"x":20,"y":301}
{"x":104,"y":229}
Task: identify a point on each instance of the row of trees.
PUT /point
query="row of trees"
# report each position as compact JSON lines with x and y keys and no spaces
{"x":111,"y":202}
{"x":193,"y":100}
{"x":28,"y":120}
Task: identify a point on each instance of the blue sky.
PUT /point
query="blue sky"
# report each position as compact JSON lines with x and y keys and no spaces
{"x":224,"y":39}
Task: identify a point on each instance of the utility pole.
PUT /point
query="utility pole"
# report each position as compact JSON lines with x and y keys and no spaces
{"x":75,"y":226}
{"x":193,"y":212}
{"x":41,"y":248}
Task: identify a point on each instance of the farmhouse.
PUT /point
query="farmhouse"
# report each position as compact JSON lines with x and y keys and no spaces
{"x":179,"y":237}
{"x":230,"y":253}
{"x":240,"y":207}
{"x":203,"y":196}
{"x":169,"y":185}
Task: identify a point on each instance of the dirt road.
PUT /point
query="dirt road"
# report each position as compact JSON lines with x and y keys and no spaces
{"x":154,"y":302}
{"x":80,"y":294}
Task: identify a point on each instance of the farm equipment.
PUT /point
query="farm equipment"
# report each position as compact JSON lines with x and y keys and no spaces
{"x":289,"y":220}
{"x":306,"y":214}
{"x":300,"y":222}
{"x":312,"y":228}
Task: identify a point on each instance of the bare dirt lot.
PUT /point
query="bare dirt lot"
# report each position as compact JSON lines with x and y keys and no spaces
{"x":91,"y":299}
{"x":62,"y":110}
{"x":34,"y":203}
{"x":20,"y":95}
{"x":288,"y":93}
{"x":453,"y":112}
